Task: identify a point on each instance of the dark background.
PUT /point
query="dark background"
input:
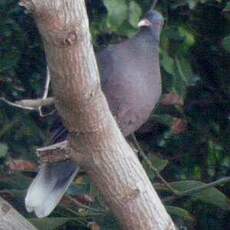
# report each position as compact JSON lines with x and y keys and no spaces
{"x":187,"y":138}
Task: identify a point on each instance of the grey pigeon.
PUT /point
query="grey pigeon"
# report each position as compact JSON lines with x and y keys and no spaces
{"x":131,"y":82}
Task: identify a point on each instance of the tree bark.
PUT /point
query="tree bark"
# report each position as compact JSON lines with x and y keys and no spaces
{"x":10,"y":219}
{"x":96,"y":142}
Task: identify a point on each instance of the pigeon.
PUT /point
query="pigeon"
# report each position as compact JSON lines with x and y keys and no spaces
{"x":131,"y":81}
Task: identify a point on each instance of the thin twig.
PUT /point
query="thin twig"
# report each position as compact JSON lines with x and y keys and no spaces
{"x":79,"y":204}
{"x":35,"y":104}
{"x":142,"y":153}
{"x":154,"y":4}
{"x":46,"y":89}
{"x":78,"y":215}
{"x":45,"y":93}
{"x":16,"y":104}
{"x":197,"y":189}
{"x":30,"y":104}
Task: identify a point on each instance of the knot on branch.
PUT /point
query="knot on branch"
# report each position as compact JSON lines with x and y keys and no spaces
{"x":130,"y":195}
{"x":70,"y":39}
{"x":63,"y":38}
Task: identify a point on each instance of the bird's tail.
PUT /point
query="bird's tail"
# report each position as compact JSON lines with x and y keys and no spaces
{"x":49,"y":186}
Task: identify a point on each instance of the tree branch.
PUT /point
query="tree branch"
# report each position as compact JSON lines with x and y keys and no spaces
{"x":10,"y":219}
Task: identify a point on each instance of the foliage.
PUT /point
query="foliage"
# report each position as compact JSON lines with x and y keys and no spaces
{"x":188,"y":137}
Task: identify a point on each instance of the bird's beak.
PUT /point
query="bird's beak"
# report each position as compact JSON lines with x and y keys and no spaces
{"x":144,"y":22}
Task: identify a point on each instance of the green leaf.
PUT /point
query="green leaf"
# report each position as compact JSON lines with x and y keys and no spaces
{"x":227,"y":7}
{"x":167,"y":62}
{"x":154,"y":163}
{"x":158,"y":163}
{"x":165,"y":119}
{"x":184,"y":76}
{"x":51,"y":223}
{"x":9,"y":60}
{"x":134,"y":13}
{"x":17,"y":181}
{"x":180,"y":212}
{"x":109,"y":222}
{"x":117,"y":13}
{"x":3,"y":150}
{"x":191,"y":4}
{"x":226,"y":43}
{"x":126,"y":30}
{"x":189,"y":39}
{"x":210,"y":195}
{"x":177,"y":3}
{"x":185,"y":70}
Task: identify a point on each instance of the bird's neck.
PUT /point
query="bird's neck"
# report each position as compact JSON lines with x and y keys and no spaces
{"x":147,"y":36}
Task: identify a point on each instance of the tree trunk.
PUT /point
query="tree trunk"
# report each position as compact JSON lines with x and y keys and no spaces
{"x":10,"y":219}
{"x":95,"y":140}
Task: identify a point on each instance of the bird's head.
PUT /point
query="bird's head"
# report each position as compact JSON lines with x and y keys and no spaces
{"x":153,"y":21}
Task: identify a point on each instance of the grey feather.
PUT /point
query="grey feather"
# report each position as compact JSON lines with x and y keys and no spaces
{"x":48,"y":187}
